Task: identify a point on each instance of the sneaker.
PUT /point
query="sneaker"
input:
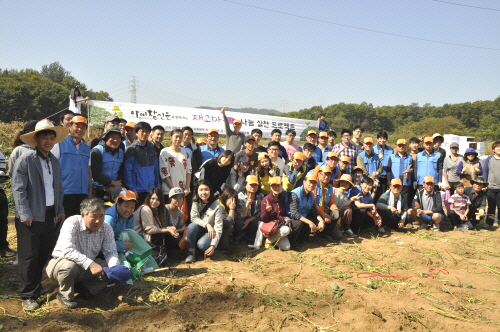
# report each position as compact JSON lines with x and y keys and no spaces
{"x":455,"y":228}
{"x":190,"y":258}
{"x":30,"y":305}
{"x":469,"y":225}
{"x":381,"y":229}
{"x":66,"y":303}
{"x":435,"y":228}
{"x":349,"y":233}
{"x":464,"y":228}
{"x":423,"y":226}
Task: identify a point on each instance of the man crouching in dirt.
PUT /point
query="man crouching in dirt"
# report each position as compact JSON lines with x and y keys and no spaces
{"x":74,"y":260}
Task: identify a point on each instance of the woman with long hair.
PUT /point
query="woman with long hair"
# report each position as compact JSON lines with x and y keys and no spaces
{"x":238,"y":175}
{"x":248,"y":217}
{"x":228,"y":201}
{"x":216,"y":171}
{"x":265,"y":171}
{"x":205,"y":230}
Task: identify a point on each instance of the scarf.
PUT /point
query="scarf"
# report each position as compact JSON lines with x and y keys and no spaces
{"x":390,"y":202}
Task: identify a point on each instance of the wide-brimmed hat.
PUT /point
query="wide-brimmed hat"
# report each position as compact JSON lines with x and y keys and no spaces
{"x":344,"y":177}
{"x":470,"y":151}
{"x":112,"y":129}
{"x":45,"y":124}
{"x":479,"y":180}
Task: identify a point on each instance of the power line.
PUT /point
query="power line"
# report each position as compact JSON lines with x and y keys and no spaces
{"x":133,"y":90}
{"x":363,"y":29}
{"x":462,"y":5}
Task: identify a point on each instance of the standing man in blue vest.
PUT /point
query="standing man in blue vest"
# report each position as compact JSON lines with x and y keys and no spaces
{"x":212,"y":149}
{"x":427,"y":164}
{"x":74,"y":155}
{"x":400,"y":167}
{"x":384,"y":153}
{"x":368,"y":160}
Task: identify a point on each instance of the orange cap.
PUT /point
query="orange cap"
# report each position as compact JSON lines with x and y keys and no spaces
{"x":368,"y":140}
{"x":397,"y":182}
{"x":323,"y":134}
{"x":311,"y":132}
{"x":79,"y":119}
{"x":128,"y":195}
{"x":252,"y":179}
{"x":261,"y":156}
{"x":311,"y":176}
{"x":298,"y":155}
{"x":275,"y":180}
{"x":356,"y":168}
{"x":201,"y":140}
{"x":331,"y":154}
{"x":325,"y":169}
{"x":428,"y":139}
{"x":401,"y":141}
{"x":237,"y":121}
{"x":428,"y":179}
{"x":212,"y":130}
{"x":346,"y":159}
{"x":130,"y":125}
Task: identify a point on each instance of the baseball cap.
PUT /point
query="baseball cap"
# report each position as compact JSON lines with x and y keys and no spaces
{"x":428,"y":179}
{"x":201,"y":140}
{"x":356,"y":168}
{"x":298,"y":155}
{"x":396,"y":182}
{"x":437,"y":135}
{"x":112,"y":118}
{"x":311,"y":176}
{"x":368,"y":140}
{"x":212,"y":130}
{"x":428,"y":139}
{"x":346,"y":159}
{"x":311,"y":132}
{"x":237,"y":121}
{"x":454,"y":145}
{"x":325,"y":169}
{"x":175,"y":191}
{"x":79,"y":119}
{"x":127,"y":195}
{"x":323,"y":134}
{"x":331,"y":154}
{"x":261,"y":156}
{"x":130,"y":124}
{"x":252,"y":179}
{"x":112,"y":129}
{"x":118,"y":273}
{"x":249,"y":138}
{"x":401,"y":141}
{"x":244,"y":159}
{"x":275,"y":180}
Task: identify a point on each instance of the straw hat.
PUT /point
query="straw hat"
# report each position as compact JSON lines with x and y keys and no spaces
{"x":45,"y":124}
{"x":344,"y":177}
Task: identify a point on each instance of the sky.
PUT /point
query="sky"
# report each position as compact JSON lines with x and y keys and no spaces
{"x":283,"y":55}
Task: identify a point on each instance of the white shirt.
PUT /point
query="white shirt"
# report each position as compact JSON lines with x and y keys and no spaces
{"x":48,"y":181}
{"x":176,"y":165}
{"x":281,"y":165}
{"x":75,"y":107}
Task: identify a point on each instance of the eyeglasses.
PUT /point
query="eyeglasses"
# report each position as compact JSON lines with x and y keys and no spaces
{"x":346,"y":136}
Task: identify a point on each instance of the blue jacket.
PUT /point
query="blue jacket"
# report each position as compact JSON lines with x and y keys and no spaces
{"x":427,"y":165}
{"x":388,"y":151}
{"x":306,"y":203}
{"x":371,"y":164}
{"x":74,"y":166}
{"x":397,"y":165}
{"x":109,"y":166}
{"x":141,"y":168}
{"x":118,"y":224}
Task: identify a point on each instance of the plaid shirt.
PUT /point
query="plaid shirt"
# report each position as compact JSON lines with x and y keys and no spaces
{"x":351,"y":151}
{"x":76,"y":243}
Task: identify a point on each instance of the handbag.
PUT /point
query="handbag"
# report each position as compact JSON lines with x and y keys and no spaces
{"x":183,"y":241}
{"x":269,"y":228}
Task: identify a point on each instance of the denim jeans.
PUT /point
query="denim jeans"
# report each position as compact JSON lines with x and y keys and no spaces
{"x":197,"y":236}
{"x":493,"y":196}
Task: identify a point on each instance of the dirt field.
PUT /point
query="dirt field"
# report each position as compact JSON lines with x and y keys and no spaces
{"x":454,"y":283}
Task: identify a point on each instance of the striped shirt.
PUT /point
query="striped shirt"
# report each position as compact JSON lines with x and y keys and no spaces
{"x":76,"y":243}
{"x":459,"y":202}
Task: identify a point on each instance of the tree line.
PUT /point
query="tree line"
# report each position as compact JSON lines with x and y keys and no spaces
{"x":29,"y":94}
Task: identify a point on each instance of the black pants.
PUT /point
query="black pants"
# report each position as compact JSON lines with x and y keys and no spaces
{"x":71,"y":204}
{"x":35,"y":244}
{"x":410,"y":196}
{"x":382,"y":187}
{"x":360,"y":220}
{"x":301,"y":230}
{"x":493,"y":196}
{"x":4,"y":221}
{"x":389,"y":219}
{"x":454,"y":218}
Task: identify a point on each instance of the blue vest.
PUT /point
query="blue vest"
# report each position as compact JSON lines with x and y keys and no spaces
{"x":399,"y":165}
{"x":319,"y":196}
{"x":388,"y":151}
{"x":371,"y":164}
{"x":74,"y":166}
{"x":305,"y":202}
{"x":111,"y":163}
{"x":427,"y":165}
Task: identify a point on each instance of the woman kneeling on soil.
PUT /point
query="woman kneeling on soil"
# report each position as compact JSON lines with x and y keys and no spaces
{"x":227,"y":201}
{"x":206,"y":225}
{"x":273,"y":208}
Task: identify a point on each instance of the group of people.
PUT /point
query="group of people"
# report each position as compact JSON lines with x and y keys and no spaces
{"x":73,"y":199}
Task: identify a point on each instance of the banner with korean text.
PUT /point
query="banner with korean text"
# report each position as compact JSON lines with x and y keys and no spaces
{"x":201,"y":120}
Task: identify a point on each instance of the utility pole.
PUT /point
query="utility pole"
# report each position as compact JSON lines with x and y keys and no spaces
{"x":133,"y":90}
{"x":283,"y":105}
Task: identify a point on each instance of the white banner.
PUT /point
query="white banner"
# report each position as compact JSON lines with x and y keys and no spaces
{"x":201,"y":120}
